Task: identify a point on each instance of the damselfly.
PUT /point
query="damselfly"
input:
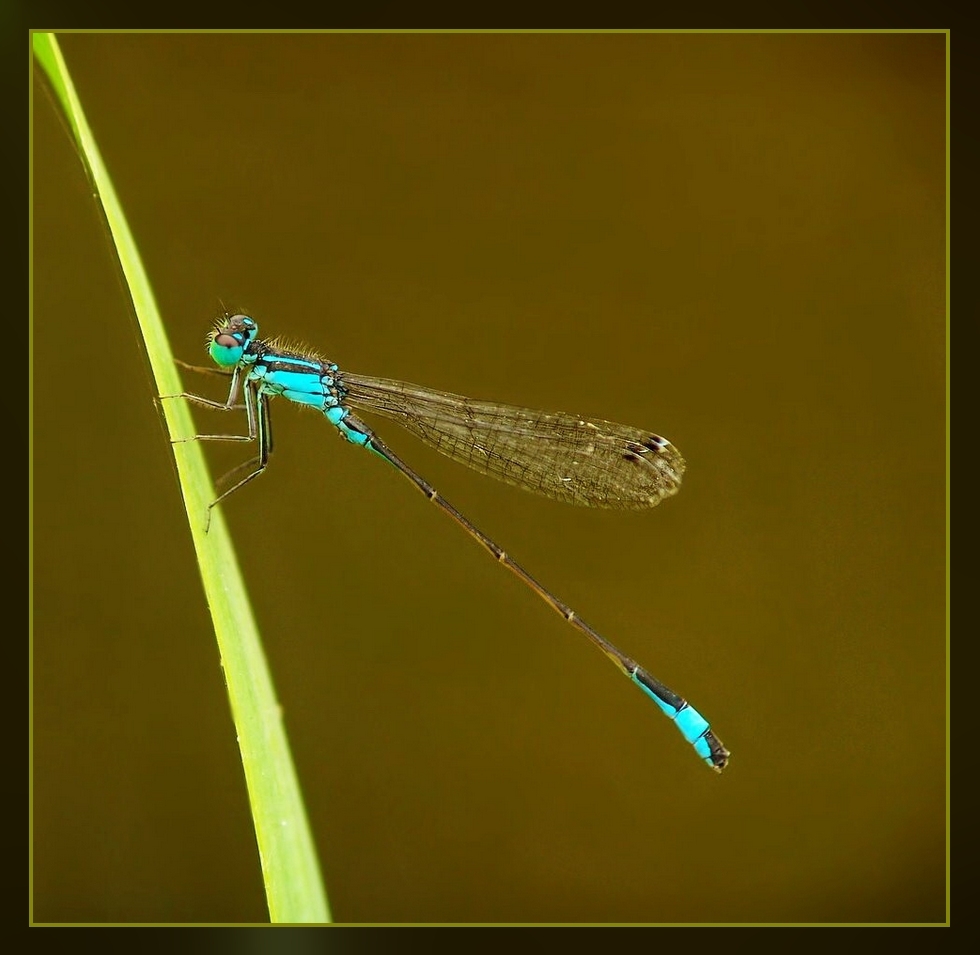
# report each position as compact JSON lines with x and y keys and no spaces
{"x":578,"y":460}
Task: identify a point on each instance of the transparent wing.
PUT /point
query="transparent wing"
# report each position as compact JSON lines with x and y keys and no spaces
{"x":581,"y":461}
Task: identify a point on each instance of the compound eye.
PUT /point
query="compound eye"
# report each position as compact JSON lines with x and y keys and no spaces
{"x":226,"y":348}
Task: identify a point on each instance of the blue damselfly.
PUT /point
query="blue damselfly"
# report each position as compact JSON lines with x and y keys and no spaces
{"x":578,"y":460}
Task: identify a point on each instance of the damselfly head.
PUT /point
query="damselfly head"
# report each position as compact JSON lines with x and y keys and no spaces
{"x":229,"y":338}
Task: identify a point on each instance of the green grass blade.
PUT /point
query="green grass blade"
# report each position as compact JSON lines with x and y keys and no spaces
{"x":294,"y":888}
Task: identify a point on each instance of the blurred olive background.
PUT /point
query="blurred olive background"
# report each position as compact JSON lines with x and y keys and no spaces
{"x":736,"y":241}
